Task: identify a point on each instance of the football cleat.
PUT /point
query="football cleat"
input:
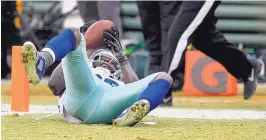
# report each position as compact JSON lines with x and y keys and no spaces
{"x":133,"y":114}
{"x":33,"y":62}
{"x":250,"y":84}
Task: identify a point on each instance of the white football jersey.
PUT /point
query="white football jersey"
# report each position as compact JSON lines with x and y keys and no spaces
{"x":104,"y":77}
{"x":67,"y":116}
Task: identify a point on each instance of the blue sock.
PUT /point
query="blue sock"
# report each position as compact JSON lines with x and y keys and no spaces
{"x":155,"y":92}
{"x":62,"y":44}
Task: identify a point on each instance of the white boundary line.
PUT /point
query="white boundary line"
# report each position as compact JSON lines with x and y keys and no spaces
{"x":160,"y":112}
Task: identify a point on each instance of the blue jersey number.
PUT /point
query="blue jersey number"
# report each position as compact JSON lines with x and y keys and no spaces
{"x":111,"y":82}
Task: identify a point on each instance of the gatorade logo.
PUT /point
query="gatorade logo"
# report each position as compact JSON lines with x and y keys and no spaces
{"x":200,"y":84}
{"x":204,"y":76}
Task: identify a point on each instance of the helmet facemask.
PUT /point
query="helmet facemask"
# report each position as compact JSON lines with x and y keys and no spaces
{"x":105,"y":63}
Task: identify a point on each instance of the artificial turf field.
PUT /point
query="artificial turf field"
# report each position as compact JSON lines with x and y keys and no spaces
{"x":26,"y":128}
{"x":54,"y":127}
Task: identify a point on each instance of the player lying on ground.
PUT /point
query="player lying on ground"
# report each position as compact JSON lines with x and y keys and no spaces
{"x":95,"y":92}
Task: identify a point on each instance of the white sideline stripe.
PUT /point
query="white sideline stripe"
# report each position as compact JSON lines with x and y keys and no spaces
{"x":182,"y":42}
{"x":50,"y":52}
{"x":162,"y":112}
{"x":209,"y":114}
{"x":45,"y":116}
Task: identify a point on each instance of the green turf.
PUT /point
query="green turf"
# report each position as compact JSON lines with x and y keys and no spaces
{"x":26,"y":128}
{"x":35,"y":100}
{"x":231,"y":102}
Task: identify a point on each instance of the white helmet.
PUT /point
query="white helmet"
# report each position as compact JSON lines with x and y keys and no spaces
{"x":105,"y":63}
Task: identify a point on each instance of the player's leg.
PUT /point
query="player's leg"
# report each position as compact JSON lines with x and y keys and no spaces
{"x":117,"y":99}
{"x":213,"y":43}
{"x":37,"y":62}
{"x":189,"y":16}
{"x":70,"y":47}
{"x":148,"y":100}
{"x":82,"y":97}
{"x":150,"y":19}
{"x":181,"y":33}
{"x":168,"y":11}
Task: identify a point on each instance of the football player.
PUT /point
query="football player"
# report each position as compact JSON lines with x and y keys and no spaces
{"x":101,"y":88}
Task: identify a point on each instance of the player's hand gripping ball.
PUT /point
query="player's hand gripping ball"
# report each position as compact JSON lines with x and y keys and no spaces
{"x":94,"y":34}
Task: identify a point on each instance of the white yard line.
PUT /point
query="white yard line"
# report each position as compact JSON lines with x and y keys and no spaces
{"x":33,"y":109}
{"x":209,"y":114}
{"x":162,"y":112}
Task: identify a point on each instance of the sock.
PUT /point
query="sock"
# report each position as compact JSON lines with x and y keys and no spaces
{"x":48,"y":58}
{"x":59,"y":46}
{"x":155,"y":92}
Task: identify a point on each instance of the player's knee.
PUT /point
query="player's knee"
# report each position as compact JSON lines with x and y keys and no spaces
{"x":165,"y":76}
{"x":77,"y":35}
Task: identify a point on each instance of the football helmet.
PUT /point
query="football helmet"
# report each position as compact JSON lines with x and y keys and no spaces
{"x":105,"y":63}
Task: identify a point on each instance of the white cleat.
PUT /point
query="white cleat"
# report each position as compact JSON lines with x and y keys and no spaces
{"x":133,"y":114}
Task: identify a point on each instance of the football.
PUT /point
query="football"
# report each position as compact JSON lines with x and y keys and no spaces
{"x":94,"y":34}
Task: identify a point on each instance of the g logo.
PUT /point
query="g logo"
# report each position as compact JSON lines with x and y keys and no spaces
{"x":198,"y":82}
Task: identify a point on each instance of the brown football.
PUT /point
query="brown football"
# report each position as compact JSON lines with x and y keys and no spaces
{"x":94,"y":34}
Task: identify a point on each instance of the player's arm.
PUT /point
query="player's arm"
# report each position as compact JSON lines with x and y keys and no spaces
{"x":111,"y":39}
{"x":56,"y":81}
{"x":129,"y":74}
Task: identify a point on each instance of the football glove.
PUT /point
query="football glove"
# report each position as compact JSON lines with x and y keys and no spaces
{"x":111,"y":40}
